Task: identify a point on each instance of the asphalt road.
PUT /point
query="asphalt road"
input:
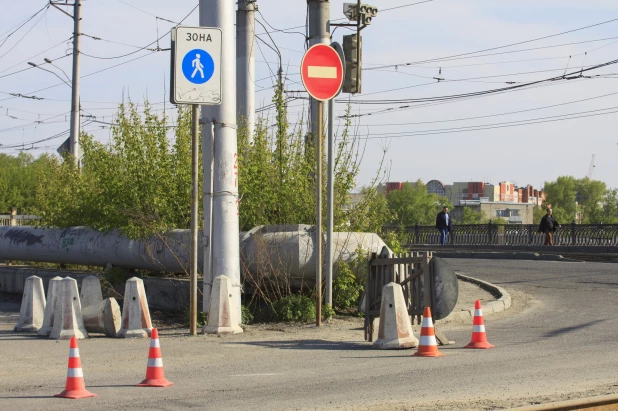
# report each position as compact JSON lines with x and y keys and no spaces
{"x":557,"y":342}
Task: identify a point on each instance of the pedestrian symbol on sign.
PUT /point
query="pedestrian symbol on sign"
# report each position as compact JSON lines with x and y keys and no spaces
{"x":198,"y":66}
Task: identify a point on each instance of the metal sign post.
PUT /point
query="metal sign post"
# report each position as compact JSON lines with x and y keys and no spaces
{"x":195,"y":80}
{"x":322,"y":75}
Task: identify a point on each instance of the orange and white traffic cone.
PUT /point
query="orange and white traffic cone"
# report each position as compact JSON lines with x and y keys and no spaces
{"x":75,"y":387}
{"x":154,"y":371}
{"x":479,"y":338}
{"x":428,"y":346}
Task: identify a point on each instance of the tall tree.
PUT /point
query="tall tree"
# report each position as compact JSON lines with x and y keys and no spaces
{"x":413,"y":205}
{"x":590,"y":195}
{"x":561,"y":195}
{"x":610,"y":207}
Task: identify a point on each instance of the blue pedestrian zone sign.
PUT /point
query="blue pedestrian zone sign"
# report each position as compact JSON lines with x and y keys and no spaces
{"x":198,"y":66}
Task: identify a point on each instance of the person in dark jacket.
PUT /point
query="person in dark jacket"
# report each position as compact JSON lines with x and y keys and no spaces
{"x":548,"y":226}
{"x":444,"y":224}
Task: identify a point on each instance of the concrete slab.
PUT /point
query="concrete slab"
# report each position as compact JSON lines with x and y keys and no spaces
{"x":103,"y":318}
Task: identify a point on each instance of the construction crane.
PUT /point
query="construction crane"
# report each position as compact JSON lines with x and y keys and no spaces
{"x":592,"y":166}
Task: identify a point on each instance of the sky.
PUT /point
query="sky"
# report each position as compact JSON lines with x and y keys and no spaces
{"x":526,"y":136}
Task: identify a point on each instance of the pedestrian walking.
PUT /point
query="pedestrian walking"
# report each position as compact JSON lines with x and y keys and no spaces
{"x":548,"y":226}
{"x":444,"y":223}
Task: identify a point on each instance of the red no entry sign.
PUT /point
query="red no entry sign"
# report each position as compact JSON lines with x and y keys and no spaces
{"x":322,"y":72}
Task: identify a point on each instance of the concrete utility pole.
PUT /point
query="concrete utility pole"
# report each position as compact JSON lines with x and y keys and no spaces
{"x":75,"y":129}
{"x":220,"y":120}
{"x":319,"y":18}
{"x":245,"y":64}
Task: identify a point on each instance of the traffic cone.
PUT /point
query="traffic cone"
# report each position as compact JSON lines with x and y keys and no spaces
{"x":428,"y":346}
{"x":75,"y":387}
{"x":154,"y":371}
{"x":479,"y":338}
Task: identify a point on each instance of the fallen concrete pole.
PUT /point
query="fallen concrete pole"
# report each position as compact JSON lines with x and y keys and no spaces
{"x":284,"y":248}
{"x":81,"y":245}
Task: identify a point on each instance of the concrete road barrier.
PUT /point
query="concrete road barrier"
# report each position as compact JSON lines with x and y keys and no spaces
{"x":68,"y":321}
{"x":32,"y":306}
{"x":50,"y":307}
{"x":136,"y":322}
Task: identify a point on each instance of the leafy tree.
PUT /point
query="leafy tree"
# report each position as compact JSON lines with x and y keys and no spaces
{"x":139,"y":183}
{"x":18,"y":180}
{"x":581,"y":200}
{"x":470,"y":216}
{"x":561,"y":195}
{"x":610,"y":207}
{"x":413,"y":205}
{"x":537,"y":214}
{"x":590,"y":200}
{"x":277,"y":185}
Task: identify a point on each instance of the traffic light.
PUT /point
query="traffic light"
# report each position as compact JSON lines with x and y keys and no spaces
{"x":367,"y":12}
{"x":352,"y":51}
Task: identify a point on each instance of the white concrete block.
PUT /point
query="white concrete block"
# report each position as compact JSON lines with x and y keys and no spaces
{"x":395,"y":330}
{"x":103,"y":318}
{"x":222,"y":318}
{"x":136,"y":321}
{"x":68,"y":321}
{"x":32,"y":306}
{"x":50,"y":307}
{"x":91,"y":294}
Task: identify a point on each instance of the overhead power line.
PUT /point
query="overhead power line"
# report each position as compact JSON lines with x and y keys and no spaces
{"x":494,"y":48}
{"x":25,"y":34}
{"x":405,"y":5}
{"x":25,"y":95}
{"x":20,"y":25}
{"x":492,"y":126}
{"x":492,"y":115}
{"x":569,"y":76}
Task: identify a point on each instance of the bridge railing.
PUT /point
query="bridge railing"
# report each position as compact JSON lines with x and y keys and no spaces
{"x":14,"y":219}
{"x":511,"y":234}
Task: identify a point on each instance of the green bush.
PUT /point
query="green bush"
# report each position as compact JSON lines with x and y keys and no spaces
{"x":294,"y":308}
{"x":247,"y":316}
{"x":346,"y":289}
{"x":202,"y":318}
{"x":327,"y":312}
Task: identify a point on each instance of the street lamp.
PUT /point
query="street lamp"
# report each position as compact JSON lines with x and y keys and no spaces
{"x":48,"y":61}
{"x":49,"y":71}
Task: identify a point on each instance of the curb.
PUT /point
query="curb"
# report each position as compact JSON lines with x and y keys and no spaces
{"x":577,"y":404}
{"x":502,"y":303}
{"x":506,"y":255}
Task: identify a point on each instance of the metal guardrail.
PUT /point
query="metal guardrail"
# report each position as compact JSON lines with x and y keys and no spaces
{"x":511,"y":234}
